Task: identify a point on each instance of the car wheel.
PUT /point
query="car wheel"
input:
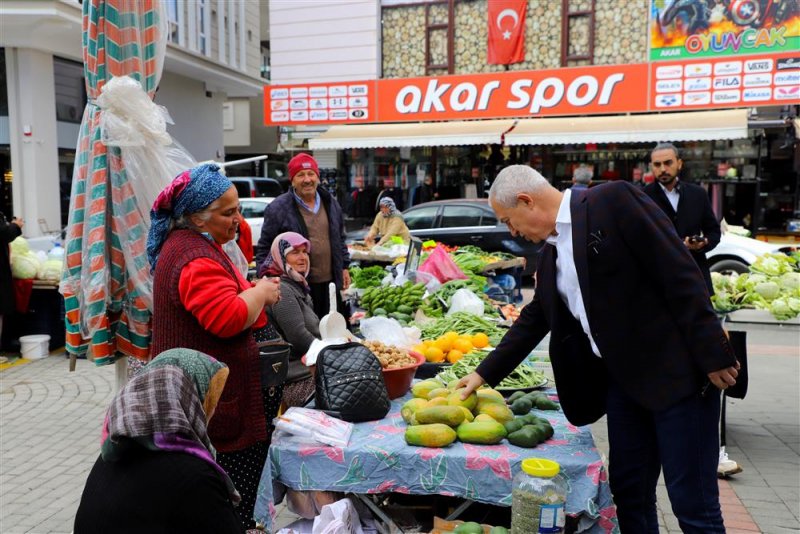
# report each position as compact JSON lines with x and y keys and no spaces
{"x":729,"y":266}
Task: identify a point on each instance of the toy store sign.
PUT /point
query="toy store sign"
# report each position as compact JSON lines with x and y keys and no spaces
{"x":607,"y":89}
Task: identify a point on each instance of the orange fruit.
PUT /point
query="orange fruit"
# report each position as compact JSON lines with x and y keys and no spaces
{"x":444,"y":343}
{"x":454,"y":355}
{"x":419,"y":348}
{"x":480,"y":340}
{"x":462,"y":345}
{"x":451,"y":335}
{"x":434,"y":355}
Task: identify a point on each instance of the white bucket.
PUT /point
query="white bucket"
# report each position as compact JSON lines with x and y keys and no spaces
{"x":35,"y":347}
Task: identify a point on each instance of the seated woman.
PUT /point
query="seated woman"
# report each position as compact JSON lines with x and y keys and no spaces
{"x":293,"y":315}
{"x":157,"y":471}
{"x":388,"y":223}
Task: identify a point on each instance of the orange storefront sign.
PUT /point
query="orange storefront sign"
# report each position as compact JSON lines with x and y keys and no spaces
{"x":569,"y":91}
{"x":768,"y":79}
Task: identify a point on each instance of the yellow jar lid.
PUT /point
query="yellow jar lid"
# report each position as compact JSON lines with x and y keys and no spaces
{"x":539,"y":467}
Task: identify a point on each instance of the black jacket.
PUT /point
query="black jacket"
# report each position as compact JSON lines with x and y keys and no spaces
{"x":648,"y":310}
{"x":8,"y":233}
{"x":283,"y":215}
{"x":694,"y":217}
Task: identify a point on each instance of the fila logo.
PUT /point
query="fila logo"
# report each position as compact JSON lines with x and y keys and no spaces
{"x":757,"y":80}
{"x":697,"y":99}
{"x":754,"y":95}
{"x":698,"y":69}
{"x":669,"y":71}
{"x":725,"y":97}
{"x":697,"y":84}
{"x":727,"y":67}
{"x":727,"y":82}
{"x":758,"y":65}
{"x":668,"y":86}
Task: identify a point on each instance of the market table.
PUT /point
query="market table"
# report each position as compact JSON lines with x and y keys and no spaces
{"x":378,"y":460}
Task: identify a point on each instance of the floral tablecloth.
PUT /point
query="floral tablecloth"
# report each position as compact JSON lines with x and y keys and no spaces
{"x":378,"y":460}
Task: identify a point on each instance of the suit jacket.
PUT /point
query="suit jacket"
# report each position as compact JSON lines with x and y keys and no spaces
{"x":694,"y":217}
{"x":648,"y":309}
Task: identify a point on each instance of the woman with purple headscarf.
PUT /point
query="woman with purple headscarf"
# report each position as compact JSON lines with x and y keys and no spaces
{"x":203,"y":302}
{"x":294,"y":314}
{"x":388,"y":223}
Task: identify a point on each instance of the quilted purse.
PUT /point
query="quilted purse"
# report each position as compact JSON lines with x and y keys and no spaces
{"x":349,"y":383}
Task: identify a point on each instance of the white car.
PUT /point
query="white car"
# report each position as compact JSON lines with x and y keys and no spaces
{"x":735,"y":253}
{"x":253,"y":212}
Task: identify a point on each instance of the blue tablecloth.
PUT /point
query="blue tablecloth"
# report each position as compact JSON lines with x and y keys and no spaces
{"x":378,"y":460}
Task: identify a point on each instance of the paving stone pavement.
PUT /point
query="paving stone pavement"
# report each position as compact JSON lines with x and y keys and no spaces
{"x":50,"y":426}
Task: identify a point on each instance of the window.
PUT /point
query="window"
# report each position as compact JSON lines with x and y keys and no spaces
{"x":577,"y":32}
{"x":421,"y":219}
{"x":203,"y":27}
{"x":252,"y":210}
{"x":175,"y":17}
{"x":265,"y":60}
{"x":268,"y":188}
{"x":70,"y":90}
{"x":456,"y":216}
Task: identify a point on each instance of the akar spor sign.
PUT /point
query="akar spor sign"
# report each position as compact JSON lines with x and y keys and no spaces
{"x":772,"y":79}
{"x":570,"y":91}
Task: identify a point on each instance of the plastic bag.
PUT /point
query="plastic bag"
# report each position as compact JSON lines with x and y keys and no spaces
{"x":338,"y":518}
{"x":432,"y":284}
{"x":441,"y":266}
{"x":383,"y":329}
{"x":464,"y":300}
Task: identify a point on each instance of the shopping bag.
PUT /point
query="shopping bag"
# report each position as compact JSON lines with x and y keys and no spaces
{"x":738,"y":341}
{"x":441,"y":266}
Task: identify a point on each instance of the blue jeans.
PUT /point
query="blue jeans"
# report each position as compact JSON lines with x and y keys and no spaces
{"x":684,"y":440}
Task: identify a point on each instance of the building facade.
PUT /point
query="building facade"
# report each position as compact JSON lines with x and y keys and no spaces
{"x":213,"y":55}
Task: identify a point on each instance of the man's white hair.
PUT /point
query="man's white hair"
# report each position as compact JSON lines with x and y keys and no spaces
{"x":513,"y":180}
{"x":582,"y":175}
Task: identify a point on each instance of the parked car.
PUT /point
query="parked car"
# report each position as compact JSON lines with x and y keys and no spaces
{"x":254,"y":187}
{"x":253,"y":212}
{"x":735,"y":253}
{"x":463,"y":222}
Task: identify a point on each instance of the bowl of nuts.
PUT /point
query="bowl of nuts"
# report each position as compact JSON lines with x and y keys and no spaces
{"x":399,"y":366}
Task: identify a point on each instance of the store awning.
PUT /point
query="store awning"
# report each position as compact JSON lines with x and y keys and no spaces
{"x":412,"y":134}
{"x":646,"y":128}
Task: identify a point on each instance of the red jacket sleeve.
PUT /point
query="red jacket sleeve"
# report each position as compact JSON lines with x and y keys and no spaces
{"x":245,"y":240}
{"x":208,"y":292}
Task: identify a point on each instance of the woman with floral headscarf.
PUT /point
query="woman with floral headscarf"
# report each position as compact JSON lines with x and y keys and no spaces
{"x":156,"y":453}
{"x":294,"y":314}
{"x":202,"y":301}
{"x":388,"y":223}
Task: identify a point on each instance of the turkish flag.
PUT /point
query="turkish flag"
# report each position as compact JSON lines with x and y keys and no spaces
{"x":506,"y":31}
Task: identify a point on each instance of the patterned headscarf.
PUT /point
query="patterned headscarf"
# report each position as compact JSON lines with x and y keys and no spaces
{"x":389,"y":202}
{"x":188,"y":193}
{"x":276,"y":264}
{"x":166,"y":407}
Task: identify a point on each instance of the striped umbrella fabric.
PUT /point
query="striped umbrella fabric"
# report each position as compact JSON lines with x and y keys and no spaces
{"x":106,"y":282}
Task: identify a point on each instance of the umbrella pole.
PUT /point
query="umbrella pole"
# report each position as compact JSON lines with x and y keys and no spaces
{"x":121,"y":373}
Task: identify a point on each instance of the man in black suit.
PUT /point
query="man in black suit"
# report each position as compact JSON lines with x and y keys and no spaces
{"x":686,"y":205}
{"x":633,"y":336}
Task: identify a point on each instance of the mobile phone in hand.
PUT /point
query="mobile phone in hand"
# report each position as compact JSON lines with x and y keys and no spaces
{"x":696,"y":239}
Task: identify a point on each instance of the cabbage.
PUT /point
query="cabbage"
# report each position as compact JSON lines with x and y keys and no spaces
{"x":789,"y":281}
{"x":20,"y":246}
{"x":773,"y":264}
{"x":768,"y":290}
{"x":51,"y":270}
{"x":24,"y":266}
{"x":785,"y":308}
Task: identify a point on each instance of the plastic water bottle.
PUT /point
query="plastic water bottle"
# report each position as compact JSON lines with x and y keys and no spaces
{"x":539,"y":494}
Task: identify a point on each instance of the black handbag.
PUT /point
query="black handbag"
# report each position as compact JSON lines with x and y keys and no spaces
{"x":273,"y":360}
{"x":349,"y":383}
{"x":738,"y":341}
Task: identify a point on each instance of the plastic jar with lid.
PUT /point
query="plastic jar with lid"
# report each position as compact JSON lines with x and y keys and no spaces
{"x":539,"y":493}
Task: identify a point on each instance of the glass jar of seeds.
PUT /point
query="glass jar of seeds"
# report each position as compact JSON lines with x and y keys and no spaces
{"x":539,"y":493}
